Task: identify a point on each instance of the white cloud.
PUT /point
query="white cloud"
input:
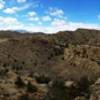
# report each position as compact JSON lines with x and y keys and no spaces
{"x":58,"y":22}
{"x":20,"y":1}
{"x":40,"y":23}
{"x":46,"y":18}
{"x":2,"y":3}
{"x":75,"y":25}
{"x":10,"y":23}
{"x":68,"y":26}
{"x":23,"y":7}
{"x":56,"y":12}
{"x":31,"y":14}
{"x":34,"y":18}
{"x":8,"y":20}
{"x":53,"y":28}
{"x":10,"y":11}
{"x":15,"y":9}
{"x":1,"y":6}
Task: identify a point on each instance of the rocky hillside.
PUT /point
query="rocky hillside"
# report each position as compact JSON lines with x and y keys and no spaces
{"x":68,"y":55}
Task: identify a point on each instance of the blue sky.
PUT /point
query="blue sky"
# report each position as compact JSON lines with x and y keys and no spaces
{"x":49,"y":15}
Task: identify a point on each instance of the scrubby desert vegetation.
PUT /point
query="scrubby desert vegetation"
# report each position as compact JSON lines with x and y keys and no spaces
{"x":61,"y":66}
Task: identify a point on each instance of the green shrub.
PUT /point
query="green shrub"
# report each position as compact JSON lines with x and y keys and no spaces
{"x":25,"y":97}
{"x":31,"y":88}
{"x":42,"y":79}
{"x":57,"y":91}
{"x":19,"y":82}
{"x":83,"y":86}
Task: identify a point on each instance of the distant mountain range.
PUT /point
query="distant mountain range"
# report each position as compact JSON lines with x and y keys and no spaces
{"x":21,"y":31}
